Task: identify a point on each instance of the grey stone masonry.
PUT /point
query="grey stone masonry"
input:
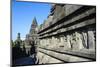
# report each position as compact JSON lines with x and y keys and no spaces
{"x":68,"y":35}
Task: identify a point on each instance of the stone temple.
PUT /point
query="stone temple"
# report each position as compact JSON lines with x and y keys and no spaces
{"x":32,"y":36}
{"x":67,"y":35}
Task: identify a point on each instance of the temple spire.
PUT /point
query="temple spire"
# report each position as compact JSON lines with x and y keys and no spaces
{"x":34,"y":22}
{"x":33,"y":26}
{"x":18,"y":36}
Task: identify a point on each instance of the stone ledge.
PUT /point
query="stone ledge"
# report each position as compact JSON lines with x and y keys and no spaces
{"x":63,"y":57}
{"x":73,"y":11}
{"x":80,"y":25}
{"x":85,"y":53}
{"x":81,"y":16}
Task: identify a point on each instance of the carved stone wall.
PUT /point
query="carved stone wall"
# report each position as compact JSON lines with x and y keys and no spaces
{"x":68,"y":35}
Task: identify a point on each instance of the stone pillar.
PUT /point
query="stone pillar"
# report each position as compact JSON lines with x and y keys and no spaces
{"x":57,"y":42}
{"x":47,"y":42}
{"x":84,"y":38}
{"x":67,"y":44}
{"x":52,"y":42}
{"x":91,"y":39}
{"x":77,"y":41}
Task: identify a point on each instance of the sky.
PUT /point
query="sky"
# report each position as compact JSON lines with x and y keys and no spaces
{"x":23,"y":14}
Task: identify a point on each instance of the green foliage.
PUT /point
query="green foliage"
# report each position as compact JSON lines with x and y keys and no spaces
{"x":12,"y":43}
